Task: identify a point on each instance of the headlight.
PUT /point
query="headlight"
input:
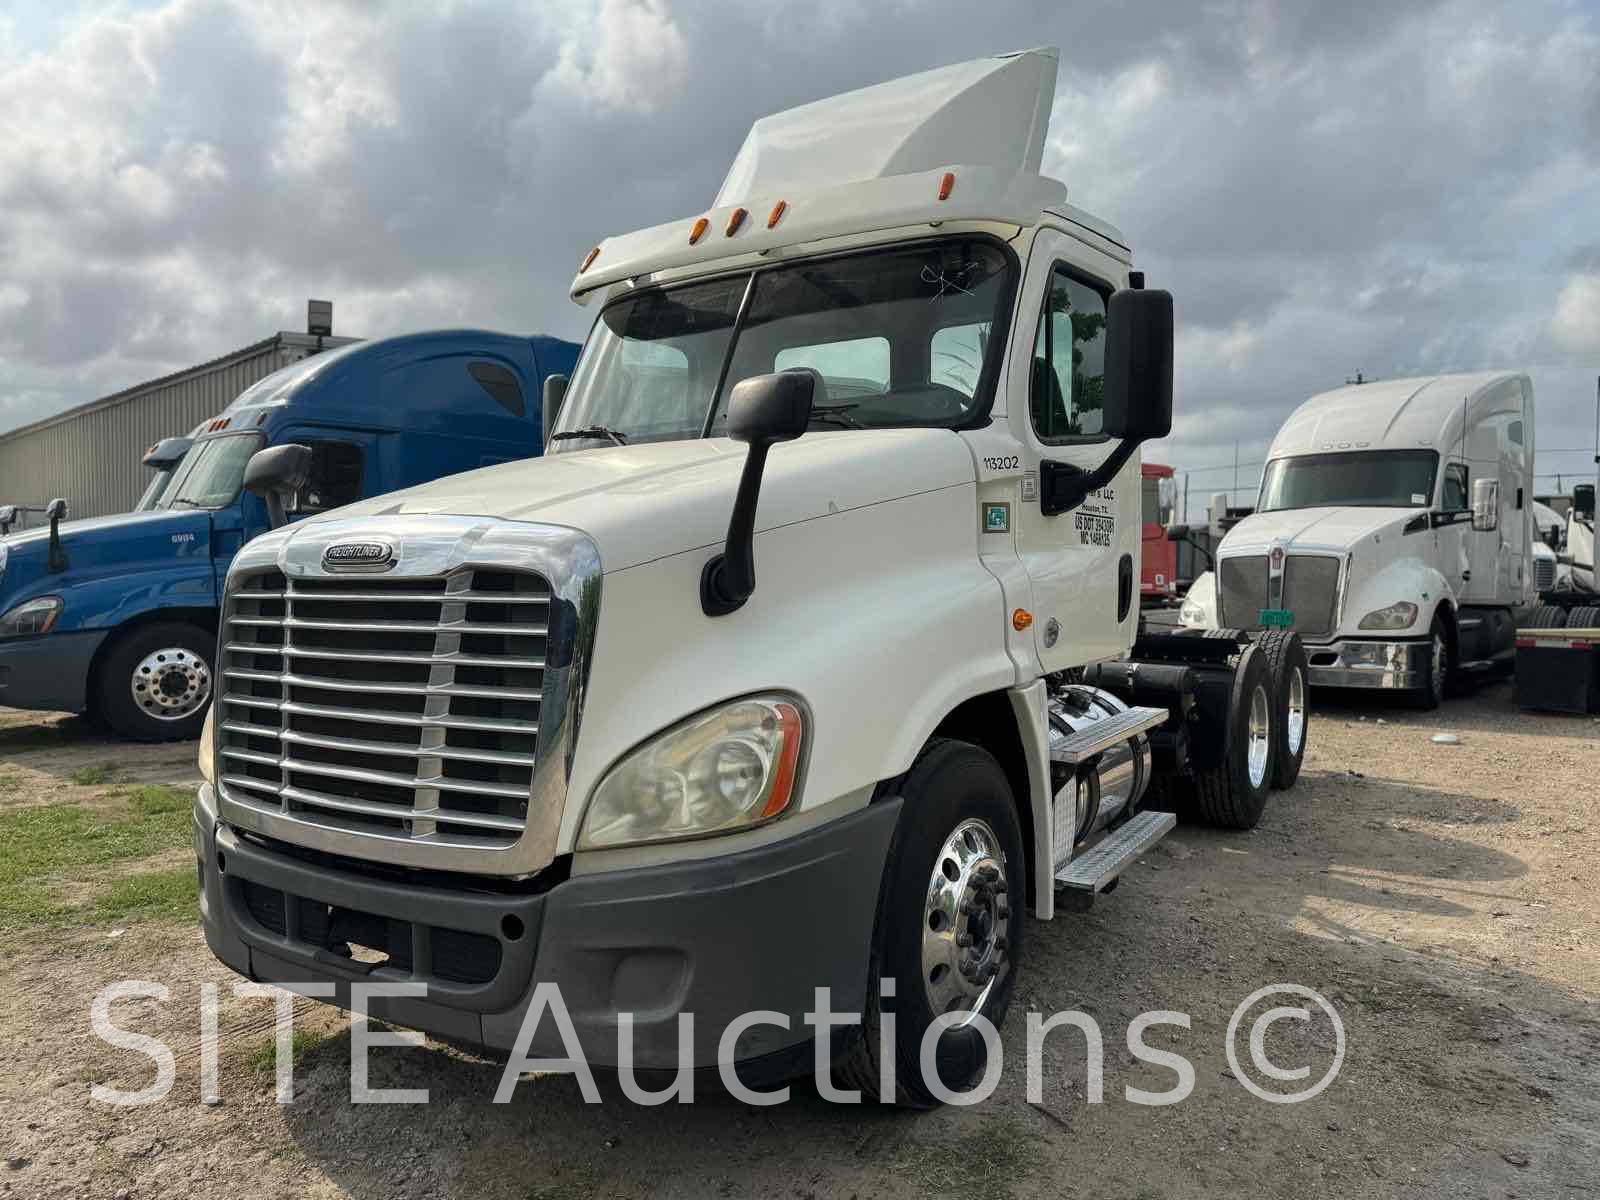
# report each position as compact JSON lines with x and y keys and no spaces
{"x":725,"y":770}
{"x":1191,"y":613}
{"x":1399,"y":615}
{"x":31,"y":617}
{"x":208,"y":746}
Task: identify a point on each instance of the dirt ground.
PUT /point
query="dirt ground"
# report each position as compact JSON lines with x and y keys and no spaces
{"x":1442,"y":897}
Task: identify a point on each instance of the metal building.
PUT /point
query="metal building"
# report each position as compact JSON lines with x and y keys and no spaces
{"x":90,"y":455}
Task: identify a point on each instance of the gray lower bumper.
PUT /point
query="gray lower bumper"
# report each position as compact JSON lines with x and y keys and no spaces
{"x":50,"y":673}
{"x":1400,"y":666}
{"x":760,"y":929}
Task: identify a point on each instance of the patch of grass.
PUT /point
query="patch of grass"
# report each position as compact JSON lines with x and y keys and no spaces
{"x":42,"y":845}
{"x":9,"y":782}
{"x":93,"y":776}
{"x":263,"y":1060}
{"x":988,"y":1162}
{"x":171,"y":895}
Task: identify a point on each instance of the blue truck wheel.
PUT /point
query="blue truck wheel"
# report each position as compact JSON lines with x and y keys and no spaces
{"x":154,"y":683}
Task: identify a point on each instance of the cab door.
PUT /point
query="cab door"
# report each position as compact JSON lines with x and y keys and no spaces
{"x":1083,"y":564}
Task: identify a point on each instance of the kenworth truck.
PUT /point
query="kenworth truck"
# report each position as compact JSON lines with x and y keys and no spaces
{"x":801,"y":661}
{"x":117,"y":615}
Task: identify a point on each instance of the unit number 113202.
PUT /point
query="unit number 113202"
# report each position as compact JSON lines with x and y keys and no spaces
{"x":1005,"y":463}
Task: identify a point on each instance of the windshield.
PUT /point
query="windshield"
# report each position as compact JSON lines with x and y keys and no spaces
{"x":900,"y":336}
{"x":1362,"y":479}
{"x":157,"y":487}
{"x":212,"y":472}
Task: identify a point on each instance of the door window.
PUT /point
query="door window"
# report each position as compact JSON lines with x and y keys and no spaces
{"x":1067,"y":389}
{"x":1453,"y":497}
{"x":336,"y":473}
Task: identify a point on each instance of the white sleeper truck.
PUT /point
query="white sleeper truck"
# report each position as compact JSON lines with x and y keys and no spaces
{"x":807,"y":656}
{"x":1394,"y":532}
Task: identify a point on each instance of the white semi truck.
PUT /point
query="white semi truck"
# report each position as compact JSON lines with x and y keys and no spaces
{"x":1393,"y":532}
{"x":805,"y":657}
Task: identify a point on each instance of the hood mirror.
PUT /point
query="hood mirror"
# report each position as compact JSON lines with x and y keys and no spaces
{"x":1486,"y":505}
{"x":762,"y":411}
{"x":275,"y":473}
{"x":555,"y":391}
{"x":56,"y":510}
{"x":8,"y":518}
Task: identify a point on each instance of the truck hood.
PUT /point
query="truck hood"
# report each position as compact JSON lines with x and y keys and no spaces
{"x":100,"y":545}
{"x":651,"y":500}
{"x":1312,"y":528}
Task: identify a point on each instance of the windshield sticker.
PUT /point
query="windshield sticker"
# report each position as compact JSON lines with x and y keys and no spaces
{"x":1418,"y":498}
{"x":1096,"y":518}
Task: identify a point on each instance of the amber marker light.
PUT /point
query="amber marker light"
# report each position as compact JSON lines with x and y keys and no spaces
{"x":735,"y":219}
{"x":788,"y":761}
{"x":588,"y":260}
{"x":946,"y":185}
{"x":699,"y":230}
{"x":1021,"y":618}
{"x":776,"y":215}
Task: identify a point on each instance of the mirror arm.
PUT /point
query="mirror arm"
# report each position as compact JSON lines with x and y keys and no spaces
{"x":58,"y":557}
{"x":729,"y":579}
{"x":1062,"y":486}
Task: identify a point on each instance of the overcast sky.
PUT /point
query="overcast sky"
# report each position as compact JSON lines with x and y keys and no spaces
{"x":1325,"y":186}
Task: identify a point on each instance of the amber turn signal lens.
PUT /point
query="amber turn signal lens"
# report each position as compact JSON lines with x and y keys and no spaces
{"x":588,"y":260}
{"x":735,"y":220}
{"x":946,"y":185}
{"x":1021,"y":618}
{"x":776,"y":215}
{"x":699,"y":230}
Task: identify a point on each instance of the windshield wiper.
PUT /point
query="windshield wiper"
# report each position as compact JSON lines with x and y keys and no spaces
{"x":836,"y":414}
{"x":592,"y":432}
{"x":185,"y":501}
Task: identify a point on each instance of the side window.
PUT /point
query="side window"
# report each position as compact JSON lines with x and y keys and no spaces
{"x":336,"y":472}
{"x":1454,"y":496}
{"x":955,"y":356}
{"x":1067,"y":391}
{"x":501,"y":384}
{"x":857,"y":367}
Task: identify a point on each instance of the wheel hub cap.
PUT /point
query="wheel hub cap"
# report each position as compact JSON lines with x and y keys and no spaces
{"x":964,"y":948}
{"x":170,"y":684}
{"x":1260,"y":736}
{"x":1297,"y":710}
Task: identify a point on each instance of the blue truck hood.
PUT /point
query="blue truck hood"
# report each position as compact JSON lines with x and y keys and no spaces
{"x":99,"y":548}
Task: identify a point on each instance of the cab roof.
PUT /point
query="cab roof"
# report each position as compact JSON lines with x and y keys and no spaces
{"x":1402,"y":414}
{"x":959,"y":143}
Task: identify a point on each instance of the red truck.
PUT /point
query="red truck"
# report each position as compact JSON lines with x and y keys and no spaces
{"x":1158,"y":558}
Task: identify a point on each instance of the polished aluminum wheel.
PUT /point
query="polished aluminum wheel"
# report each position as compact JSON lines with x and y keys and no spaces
{"x":171,"y":684}
{"x":1260,"y":735}
{"x":1297,"y":709}
{"x":965,"y":920}
{"x":1441,"y":662}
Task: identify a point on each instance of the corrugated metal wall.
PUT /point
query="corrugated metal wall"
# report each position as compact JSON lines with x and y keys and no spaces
{"x":91,"y":455}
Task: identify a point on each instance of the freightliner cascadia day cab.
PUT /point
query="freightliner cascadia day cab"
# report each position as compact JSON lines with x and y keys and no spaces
{"x":118,"y":615}
{"x":779,"y":672}
{"x":1393,"y":532}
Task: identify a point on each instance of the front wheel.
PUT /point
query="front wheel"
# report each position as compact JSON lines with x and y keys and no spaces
{"x":155,"y":682}
{"x":1291,"y":690}
{"x":949,"y":929}
{"x":1431,"y":694}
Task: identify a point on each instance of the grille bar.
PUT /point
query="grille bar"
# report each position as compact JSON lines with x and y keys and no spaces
{"x":369,"y":809}
{"x":393,"y":626}
{"x":357,"y":746}
{"x":324,"y":683}
{"x":378,"y":656}
{"x":482,"y":724}
{"x":407,"y":597}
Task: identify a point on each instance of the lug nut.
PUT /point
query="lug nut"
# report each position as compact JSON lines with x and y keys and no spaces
{"x":963,"y":940}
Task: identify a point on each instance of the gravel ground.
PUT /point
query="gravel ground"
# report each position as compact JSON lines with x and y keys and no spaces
{"x":1441,"y":897}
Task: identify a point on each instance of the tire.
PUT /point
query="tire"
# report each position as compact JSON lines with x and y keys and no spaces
{"x":154,"y":684}
{"x":1587,"y":617}
{"x":1548,"y":616}
{"x":1291,"y":688}
{"x":1431,"y":694}
{"x":1233,"y":795}
{"x":953,"y":788}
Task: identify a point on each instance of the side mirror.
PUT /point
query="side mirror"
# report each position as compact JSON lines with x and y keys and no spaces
{"x":1485,"y":505}
{"x":277,"y":472}
{"x":762,"y":411}
{"x":8,"y":517}
{"x":56,"y":510}
{"x":1583,"y":501}
{"x":555,"y":391}
{"x":1552,"y":537}
{"x":1138,"y":395}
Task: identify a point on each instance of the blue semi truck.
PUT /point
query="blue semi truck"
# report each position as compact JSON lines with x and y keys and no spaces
{"x":117,"y":616}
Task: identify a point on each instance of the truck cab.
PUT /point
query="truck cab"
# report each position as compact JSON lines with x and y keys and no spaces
{"x":163,"y":459}
{"x":1394,"y":531}
{"x":1158,"y":554}
{"x":118,"y":615}
{"x":773,"y":674}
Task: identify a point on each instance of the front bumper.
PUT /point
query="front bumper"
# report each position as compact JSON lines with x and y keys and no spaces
{"x":1353,"y":663}
{"x":757,"y":929}
{"x":49,"y":673}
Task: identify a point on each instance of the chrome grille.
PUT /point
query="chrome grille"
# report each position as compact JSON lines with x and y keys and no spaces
{"x":402,"y":707}
{"x":1310,"y":592}
{"x":1544,"y":574}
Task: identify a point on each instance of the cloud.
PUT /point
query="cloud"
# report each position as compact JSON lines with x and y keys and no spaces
{"x":1391,"y":187}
